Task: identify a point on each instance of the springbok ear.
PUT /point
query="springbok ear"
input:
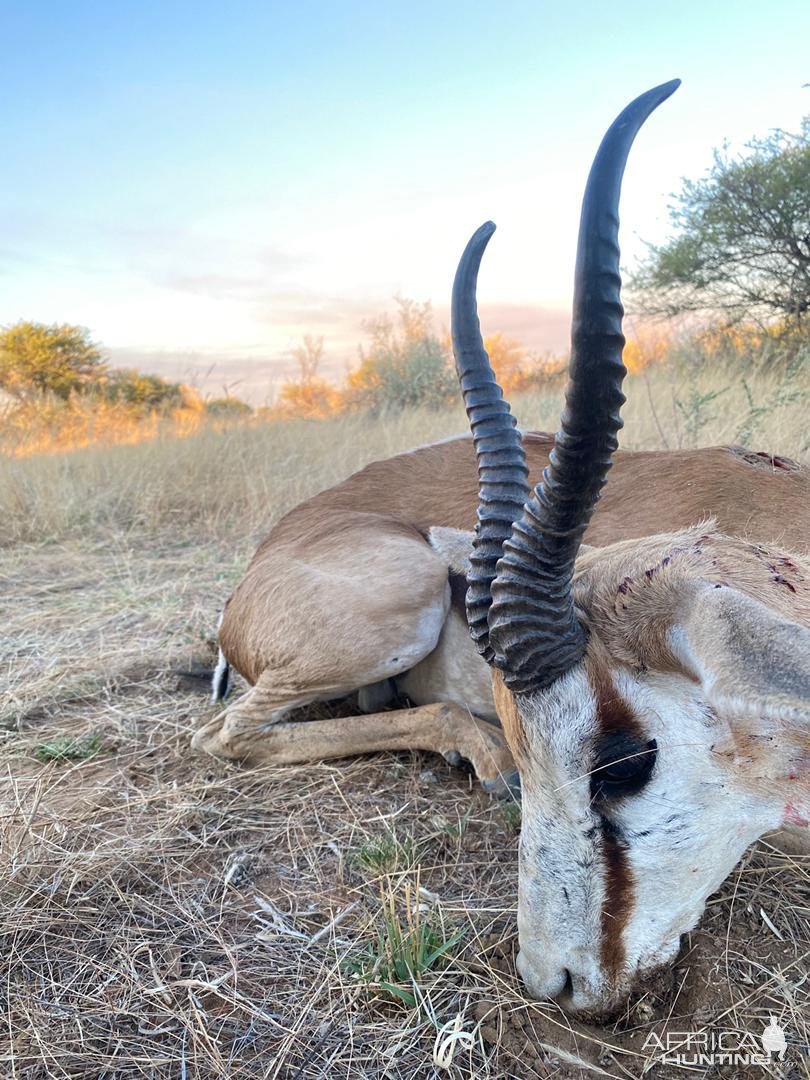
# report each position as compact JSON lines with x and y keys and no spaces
{"x":751,"y":662}
{"x":454,"y":546}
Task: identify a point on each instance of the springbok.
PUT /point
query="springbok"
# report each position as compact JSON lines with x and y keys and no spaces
{"x":652,"y":687}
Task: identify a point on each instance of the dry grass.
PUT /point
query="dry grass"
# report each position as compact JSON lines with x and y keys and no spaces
{"x":52,"y":426}
{"x":165,"y":915}
{"x":237,"y":480}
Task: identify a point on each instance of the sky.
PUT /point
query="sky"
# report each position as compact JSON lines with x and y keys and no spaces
{"x":201,"y":184}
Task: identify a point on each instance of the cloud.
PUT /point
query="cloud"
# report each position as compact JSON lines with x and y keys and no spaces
{"x":217,"y":286}
{"x":307,"y":307}
{"x":540,"y":329}
{"x":222,"y":270}
{"x":252,"y":373}
{"x":255,"y":370}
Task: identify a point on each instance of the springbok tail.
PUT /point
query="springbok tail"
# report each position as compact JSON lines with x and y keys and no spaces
{"x":220,"y":680}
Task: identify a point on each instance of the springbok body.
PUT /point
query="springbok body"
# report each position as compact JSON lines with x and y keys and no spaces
{"x":363,"y":583}
{"x":652,"y":687}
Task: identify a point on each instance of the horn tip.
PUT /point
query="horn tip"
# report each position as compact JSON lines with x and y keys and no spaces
{"x":665,"y":90}
{"x":670,"y":87}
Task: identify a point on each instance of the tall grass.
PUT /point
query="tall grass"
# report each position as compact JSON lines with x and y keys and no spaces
{"x":237,"y":480}
{"x":48,"y":424}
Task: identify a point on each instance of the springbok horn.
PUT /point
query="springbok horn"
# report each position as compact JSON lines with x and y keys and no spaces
{"x":534,"y":632}
{"x":502,"y":471}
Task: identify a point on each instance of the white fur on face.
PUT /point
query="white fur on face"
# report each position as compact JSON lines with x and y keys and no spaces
{"x":607,"y":888}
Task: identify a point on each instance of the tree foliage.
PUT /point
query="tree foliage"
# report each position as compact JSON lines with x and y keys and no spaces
{"x":143,"y":391}
{"x":309,"y":397}
{"x":36,"y":358}
{"x":228,"y":408}
{"x":405,"y":365}
{"x":312,"y":400}
{"x":59,"y":363}
{"x":741,"y":247}
{"x":518,"y":370}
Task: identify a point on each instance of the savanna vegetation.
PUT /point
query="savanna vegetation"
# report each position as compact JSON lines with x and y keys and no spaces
{"x":740,"y":245}
{"x":165,"y":915}
{"x":61,"y":395}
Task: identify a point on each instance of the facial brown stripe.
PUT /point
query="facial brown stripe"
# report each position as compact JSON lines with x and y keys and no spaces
{"x":618,"y":903}
{"x":613,"y":713}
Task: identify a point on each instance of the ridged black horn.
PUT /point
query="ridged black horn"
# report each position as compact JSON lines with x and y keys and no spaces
{"x":502,"y":472}
{"x":533,"y":629}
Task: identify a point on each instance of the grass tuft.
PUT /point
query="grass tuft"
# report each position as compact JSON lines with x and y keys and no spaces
{"x":410,"y":942}
{"x":510,"y":812}
{"x":387,"y":854}
{"x":68,"y":748}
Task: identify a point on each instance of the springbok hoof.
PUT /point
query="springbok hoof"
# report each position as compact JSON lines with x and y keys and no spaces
{"x":506,"y":786}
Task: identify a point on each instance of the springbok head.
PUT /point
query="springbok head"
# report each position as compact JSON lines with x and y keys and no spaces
{"x":657,"y":708}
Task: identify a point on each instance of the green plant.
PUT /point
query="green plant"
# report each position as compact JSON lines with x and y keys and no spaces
{"x":785,"y":393}
{"x":453,"y":830}
{"x":57,"y":359}
{"x":408,"y":945}
{"x":68,"y":748}
{"x":510,"y":812}
{"x":740,"y":248}
{"x":695,"y":413}
{"x":406,"y":364}
{"x":387,"y":854}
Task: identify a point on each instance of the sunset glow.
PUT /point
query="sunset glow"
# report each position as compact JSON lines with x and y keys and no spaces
{"x":202,"y":186}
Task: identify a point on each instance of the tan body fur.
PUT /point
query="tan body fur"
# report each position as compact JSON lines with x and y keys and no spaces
{"x":346,"y":591}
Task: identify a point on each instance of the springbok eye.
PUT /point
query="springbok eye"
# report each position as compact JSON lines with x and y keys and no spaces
{"x":624,"y":764}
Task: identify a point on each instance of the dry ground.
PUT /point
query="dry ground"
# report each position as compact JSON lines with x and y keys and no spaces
{"x":165,"y":915}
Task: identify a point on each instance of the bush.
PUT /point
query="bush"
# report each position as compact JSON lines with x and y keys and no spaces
{"x":405,"y":366}
{"x":146,"y":392}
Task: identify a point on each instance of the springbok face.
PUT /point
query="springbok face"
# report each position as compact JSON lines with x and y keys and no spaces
{"x":650,"y":767}
{"x":644,"y":688}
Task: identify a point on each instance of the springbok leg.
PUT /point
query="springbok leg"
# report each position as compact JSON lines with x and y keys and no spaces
{"x":443,"y":728}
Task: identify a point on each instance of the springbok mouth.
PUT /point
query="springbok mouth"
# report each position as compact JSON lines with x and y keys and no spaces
{"x":650,"y":993}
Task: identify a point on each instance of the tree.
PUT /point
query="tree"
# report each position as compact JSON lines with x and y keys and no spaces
{"x":228,"y":408}
{"x":309,"y":397}
{"x":405,"y":365}
{"x":516,"y":369}
{"x":509,"y":361}
{"x":56,"y":359}
{"x":146,"y":392}
{"x":741,"y":248}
